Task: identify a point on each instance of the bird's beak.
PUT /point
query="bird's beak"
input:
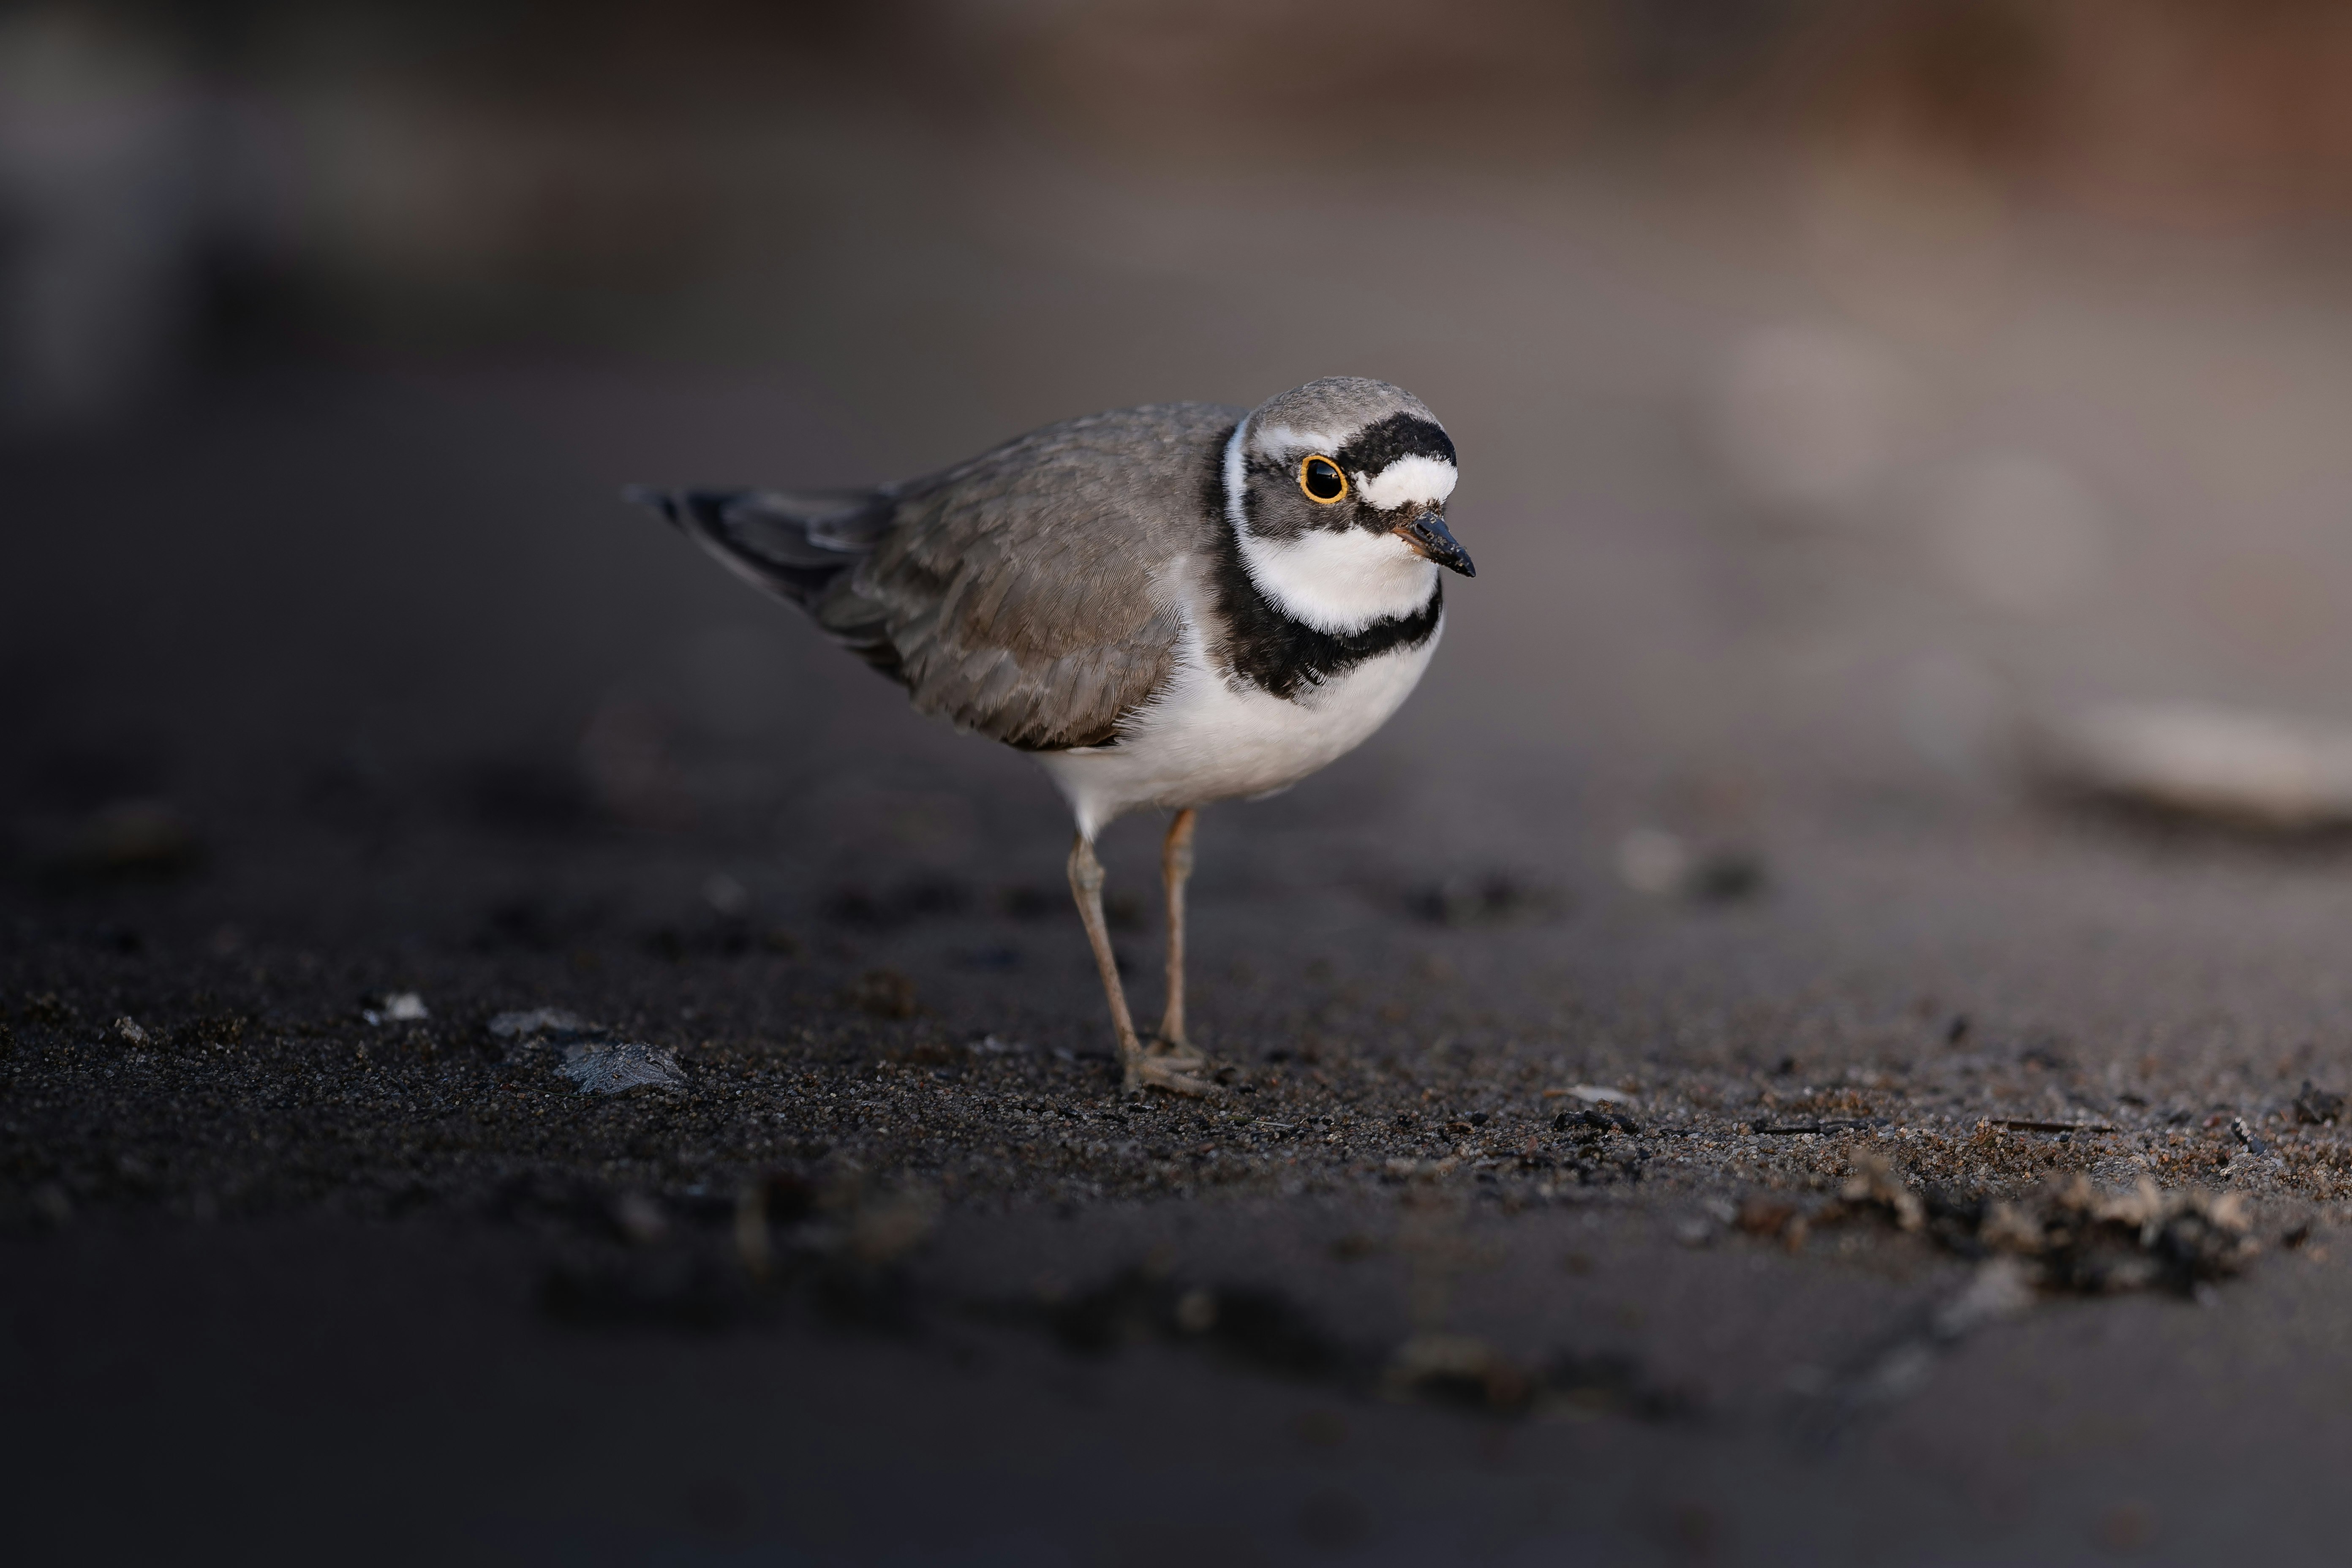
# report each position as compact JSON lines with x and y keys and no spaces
{"x":1429,"y":538}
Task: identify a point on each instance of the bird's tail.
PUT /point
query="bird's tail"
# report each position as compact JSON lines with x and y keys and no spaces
{"x":799,"y":546}
{"x":793,"y":545}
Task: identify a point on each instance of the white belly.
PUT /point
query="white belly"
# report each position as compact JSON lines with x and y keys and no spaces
{"x":1205,"y":740}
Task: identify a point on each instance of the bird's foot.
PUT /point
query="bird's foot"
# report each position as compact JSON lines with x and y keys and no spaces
{"x":1148,"y":1071}
{"x":1174,"y":1052}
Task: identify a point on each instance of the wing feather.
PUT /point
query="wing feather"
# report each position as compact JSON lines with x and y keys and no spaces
{"x":1023,"y":592}
{"x":1028,"y":594}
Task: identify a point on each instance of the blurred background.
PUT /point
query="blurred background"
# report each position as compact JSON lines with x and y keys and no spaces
{"x":1844,"y":386}
{"x":1857,"y":400}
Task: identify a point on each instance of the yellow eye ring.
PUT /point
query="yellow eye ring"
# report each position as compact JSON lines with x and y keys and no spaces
{"x":1320,"y":480}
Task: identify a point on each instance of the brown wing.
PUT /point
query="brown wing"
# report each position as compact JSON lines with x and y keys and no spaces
{"x":1027,"y":593}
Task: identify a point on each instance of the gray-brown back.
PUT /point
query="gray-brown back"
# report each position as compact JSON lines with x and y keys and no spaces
{"x":1028,"y":594}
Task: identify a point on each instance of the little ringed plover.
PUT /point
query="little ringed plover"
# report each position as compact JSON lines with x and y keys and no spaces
{"x":1168,"y":606}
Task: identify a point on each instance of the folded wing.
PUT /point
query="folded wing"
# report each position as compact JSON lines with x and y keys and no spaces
{"x":1031,"y":594}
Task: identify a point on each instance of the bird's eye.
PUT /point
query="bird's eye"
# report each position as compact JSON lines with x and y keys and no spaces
{"x":1321,"y":478}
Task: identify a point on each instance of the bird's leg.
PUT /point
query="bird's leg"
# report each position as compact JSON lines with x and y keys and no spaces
{"x":1085,"y":886}
{"x":1176,"y":869}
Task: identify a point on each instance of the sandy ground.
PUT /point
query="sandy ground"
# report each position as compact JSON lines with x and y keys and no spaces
{"x":1537,"y":1216}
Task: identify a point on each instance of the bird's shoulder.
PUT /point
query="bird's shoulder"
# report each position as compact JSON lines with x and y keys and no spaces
{"x":1115,"y":485}
{"x":1031,"y":591}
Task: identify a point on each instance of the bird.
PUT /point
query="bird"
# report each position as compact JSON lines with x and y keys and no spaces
{"x":1167,"y":606}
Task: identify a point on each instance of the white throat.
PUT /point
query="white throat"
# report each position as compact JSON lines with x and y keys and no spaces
{"x":1338,"y":583}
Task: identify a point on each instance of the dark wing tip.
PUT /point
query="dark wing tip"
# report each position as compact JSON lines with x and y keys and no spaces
{"x":652,"y":500}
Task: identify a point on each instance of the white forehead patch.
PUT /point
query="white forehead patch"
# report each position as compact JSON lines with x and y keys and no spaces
{"x":1409,"y":482}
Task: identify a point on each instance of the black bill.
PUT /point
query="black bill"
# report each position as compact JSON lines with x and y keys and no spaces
{"x":1429,"y":538}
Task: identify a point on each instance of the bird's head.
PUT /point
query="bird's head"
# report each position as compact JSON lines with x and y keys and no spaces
{"x":1336,"y":492}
